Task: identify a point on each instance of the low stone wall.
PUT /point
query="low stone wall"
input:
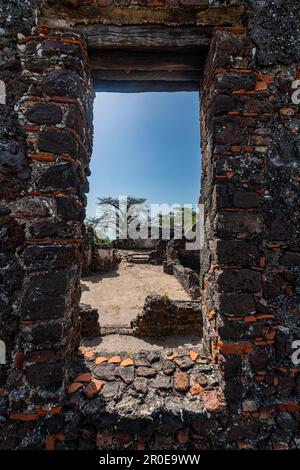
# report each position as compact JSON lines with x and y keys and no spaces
{"x":89,"y":321}
{"x":185,"y":265}
{"x":149,"y":401}
{"x":98,"y":259}
{"x":188,"y":279}
{"x":163,"y":317}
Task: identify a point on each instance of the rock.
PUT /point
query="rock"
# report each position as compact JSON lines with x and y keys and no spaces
{"x":59,"y":177}
{"x":44,"y":114}
{"x":153,"y":357}
{"x":145,"y":372}
{"x":161,"y":383}
{"x":63,"y":83}
{"x":182,"y":437}
{"x":85,"y":377}
{"x":93,"y":388}
{"x":184,"y":363}
{"x":105,"y":372}
{"x":140,"y":386}
{"x":196,"y":389}
{"x":115,"y":360}
{"x":168,"y":367}
{"x":127,"y":362}
{"x":181,"y":382}
{"x":101,"y":359}
{"x":57,"y":142}
{"x":110,"y":390}
{"x":74,"y":387}
{"x":126,"y":373}
{"x":194,"y":355}
{"x":104,"y":440}
{"x":89,"y":355}
{"x":212,"y":402}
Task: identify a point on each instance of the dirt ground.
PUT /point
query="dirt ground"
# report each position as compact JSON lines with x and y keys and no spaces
{"x":119,"y":295}
{"x":112,"y":343}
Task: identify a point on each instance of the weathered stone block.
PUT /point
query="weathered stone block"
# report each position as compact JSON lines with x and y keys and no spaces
{"x":58,"y":142}
{"x":45,"y":374}
{"x":59,"y":177}
{"x":243,"y":280}
{"x":236,"y":304}
{"x":41,"y":306}
{"x":64,"y":83}
{"x":44,"y":114}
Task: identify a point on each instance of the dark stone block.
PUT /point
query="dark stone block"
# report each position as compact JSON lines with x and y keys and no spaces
{"x":14,"y":163}
{"x":50,"y":256}
{"x":243,"y":280}
{"x":246,"y":200}
{"x":52,"y":282}
{"x":258,"y":360}
{"x":59,"y":177}
{"x":237,"y":304}
{"x":58,"y":142}
{"x":45,"y":374}
{"x":69,"y":208}
{"x":42,"y":307}
{"x":232,"y":135}
{"x":274,"y":27}
{"x":236,"y":252}
{"x":223,"y":104}
{"x":51,"y":228}
{"x":230,"y":223}
{"x":48,"y":332}
{"x":64,"y":83}
{"x":44,"y":114}
{"x":12,"y":236}
{"x":235,"y":81}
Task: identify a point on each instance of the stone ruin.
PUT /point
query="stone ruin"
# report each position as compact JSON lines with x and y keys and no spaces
{"x":241,"y":389}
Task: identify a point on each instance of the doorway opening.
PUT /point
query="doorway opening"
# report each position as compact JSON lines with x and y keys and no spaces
{"x":144,"y":292}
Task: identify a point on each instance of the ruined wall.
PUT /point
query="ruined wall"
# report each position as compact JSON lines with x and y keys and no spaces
{"x":249,"y":264}
{"x":46,"y":141}
{"x":164,"y":317}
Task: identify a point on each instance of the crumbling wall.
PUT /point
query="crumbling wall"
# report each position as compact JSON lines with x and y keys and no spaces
{"x":249,"y":262}
{"x":184,"y":265}
{"x":46,"y":130}
{"x":164,"y":317}
{"x":250,"y":187}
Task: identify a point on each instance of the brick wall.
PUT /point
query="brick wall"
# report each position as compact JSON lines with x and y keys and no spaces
{"x":250,"y":261}
{"x":250,"y":135}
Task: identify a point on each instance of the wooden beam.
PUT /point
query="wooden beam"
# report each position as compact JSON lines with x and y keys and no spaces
{"x":59,"y":15}
{"x":144,"y":86}
{"x":152,"y":37}
{"x":128,"y":60}
{"x":157,"y":75}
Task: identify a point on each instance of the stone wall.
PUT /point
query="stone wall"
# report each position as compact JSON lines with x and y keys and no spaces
{"x":250,"y":259}
{"x":98,"y":259}
{"x":164,"y":317}
{"x":250,"y":187}
{"x":46,"y":137}
{"x":184,"y":265}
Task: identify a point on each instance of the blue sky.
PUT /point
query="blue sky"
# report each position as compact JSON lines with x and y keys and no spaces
{"x":146,"y":145}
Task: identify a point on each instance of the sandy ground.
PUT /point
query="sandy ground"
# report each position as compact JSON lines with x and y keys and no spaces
{"x":119,"y":295}
{"x":112,"y":343}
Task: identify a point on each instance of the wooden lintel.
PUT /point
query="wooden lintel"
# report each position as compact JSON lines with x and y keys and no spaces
{"x":95,"y":14}
{"x":145,"y":60}
{"x":157,"y":75}
{"x":144,"y":86}
{"x":153,"y":37}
